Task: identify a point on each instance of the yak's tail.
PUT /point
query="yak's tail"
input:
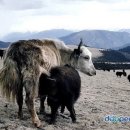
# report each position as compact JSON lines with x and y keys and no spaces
{"x":9,"y":79}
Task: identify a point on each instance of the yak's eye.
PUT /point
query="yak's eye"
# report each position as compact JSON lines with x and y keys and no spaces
{"x":86,"y":57}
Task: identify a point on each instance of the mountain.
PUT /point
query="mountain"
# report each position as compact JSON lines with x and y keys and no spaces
{"x":111,"y":60}
{"x":125,"y":30}
{"x":121,"y":47}
{"x":125,"y":49}
{"x":54,"y":33}
{"x":4,"y":44}
{"x":98,"y":38}
{"x":93,"y":38}
{"x":113,"y":56}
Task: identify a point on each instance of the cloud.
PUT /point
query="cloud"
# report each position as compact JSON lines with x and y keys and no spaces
{"x":21,"y":4}
{"x":105,"y":1}
{"x":38,"y":15}
{"x":101,"y":1}
{"x":37,"y":4}
{"x":1,"y":1}
{"x":47,"y":4}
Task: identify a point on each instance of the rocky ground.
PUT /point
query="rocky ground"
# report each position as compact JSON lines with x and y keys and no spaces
{"x":101,"y":95}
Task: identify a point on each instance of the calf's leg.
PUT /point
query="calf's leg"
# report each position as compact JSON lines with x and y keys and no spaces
{"x":70,"y":108}
{"x":62,"y":108}
{"x":42,"y":107}
{"x":54,"y":110}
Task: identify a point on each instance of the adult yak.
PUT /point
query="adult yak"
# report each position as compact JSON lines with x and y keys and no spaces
{"x":24,"y":62}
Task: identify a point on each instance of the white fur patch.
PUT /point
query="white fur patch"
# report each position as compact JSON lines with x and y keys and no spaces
{"x":86,"y":52}
{"x":58,"y":43}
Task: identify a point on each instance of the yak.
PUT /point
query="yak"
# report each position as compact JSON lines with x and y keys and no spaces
{"x":121,"y":73}
{"x":128,"y":77}
{"x":2,"y":53}
{"x":24,"y":62}
{"x":62,"y":88}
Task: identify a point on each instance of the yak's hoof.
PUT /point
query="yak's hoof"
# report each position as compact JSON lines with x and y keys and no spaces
{"x":48,"y":114}
{"x":74,"y":121}
{"x":20,"y":116}
{"x":37,"y":123}
{"x":42,"y":111}
{"x":51,"y":122}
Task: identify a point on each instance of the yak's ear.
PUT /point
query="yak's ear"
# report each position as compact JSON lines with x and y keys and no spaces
{"x":51,"y":79}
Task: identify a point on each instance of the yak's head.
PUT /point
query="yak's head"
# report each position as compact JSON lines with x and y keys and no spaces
{"x":81,"y":58}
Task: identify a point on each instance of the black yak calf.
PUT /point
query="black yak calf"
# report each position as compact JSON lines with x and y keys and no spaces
{"x":128,"y":78}
{"x":62,"y":89}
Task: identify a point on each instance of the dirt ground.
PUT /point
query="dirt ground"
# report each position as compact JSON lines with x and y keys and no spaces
{"x":101,"y":95}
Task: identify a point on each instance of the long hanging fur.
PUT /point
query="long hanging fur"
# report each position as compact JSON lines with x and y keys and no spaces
{"x":9,"y":79}
{"x":23,"y":58}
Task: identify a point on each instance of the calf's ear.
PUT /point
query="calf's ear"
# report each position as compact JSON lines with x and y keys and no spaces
{"x":51,"y":80}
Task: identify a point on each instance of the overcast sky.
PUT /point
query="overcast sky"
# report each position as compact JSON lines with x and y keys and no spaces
{"x":38,"y":15}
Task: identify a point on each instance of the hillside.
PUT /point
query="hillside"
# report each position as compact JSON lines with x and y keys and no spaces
{"x":98,"y":38}
{"x":112,"y":56}
{"x":125,"y":49}
{"x":125,"y":30}
{"x":110,"y":59}
{"x":4,"y":44}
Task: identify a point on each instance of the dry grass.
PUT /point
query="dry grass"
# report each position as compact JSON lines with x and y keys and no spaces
{"x":101,"y":95}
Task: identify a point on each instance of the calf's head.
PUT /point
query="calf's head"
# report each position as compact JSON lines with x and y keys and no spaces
{"x":47,"y":85}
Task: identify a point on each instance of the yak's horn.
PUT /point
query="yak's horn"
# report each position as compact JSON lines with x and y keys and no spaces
{"x":80,"y":44}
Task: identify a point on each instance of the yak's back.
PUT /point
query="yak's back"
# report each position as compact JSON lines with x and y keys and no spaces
{"x":67,"y":81}
{"x":66,"y":72}
{"x":34,"y":52}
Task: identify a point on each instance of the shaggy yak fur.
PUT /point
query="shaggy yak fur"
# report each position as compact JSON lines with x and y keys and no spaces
{"x":24,"y":62}
{"x":62,"y":88}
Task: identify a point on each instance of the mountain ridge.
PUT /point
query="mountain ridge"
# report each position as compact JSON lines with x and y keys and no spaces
{"x":98,"y":38}
{"x":93,"y":38}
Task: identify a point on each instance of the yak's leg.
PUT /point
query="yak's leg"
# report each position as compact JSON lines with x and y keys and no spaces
{"x":30,"y":96}
{"x":70,"y":107}
{"x":19,"y":98}
{"x":42,"y":107}
{"x":62,"y":108}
